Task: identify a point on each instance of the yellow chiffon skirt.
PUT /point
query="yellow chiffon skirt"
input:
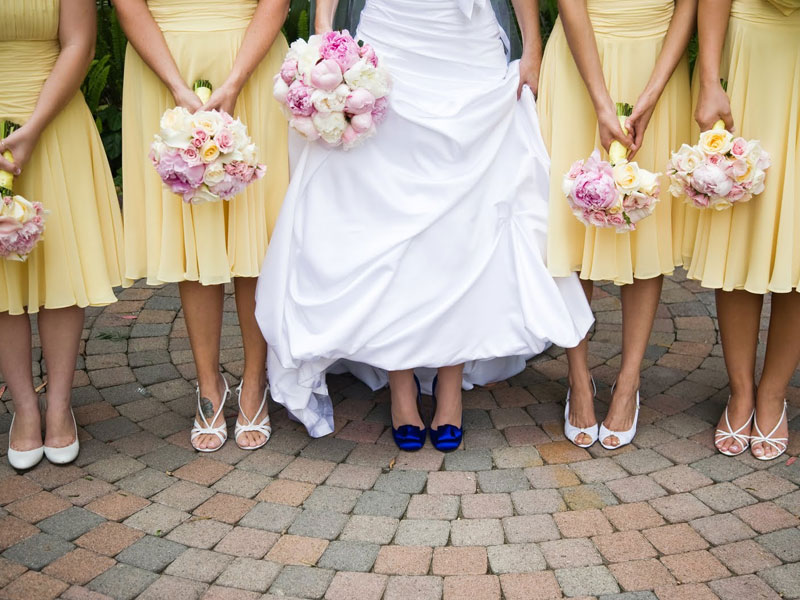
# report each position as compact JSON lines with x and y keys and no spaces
{"x":756,"y":246}
{"x":166,"y":239}
{"x":79,"y":260}
{"x":629,"y":39}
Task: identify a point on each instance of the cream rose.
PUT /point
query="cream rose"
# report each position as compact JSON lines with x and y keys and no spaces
{"x":209,"y":152}
{"x":214,"y":174}
{"x":626,"y":176}
{"x":716,"y":141}
{"x":648,"y":182}
{"x":208,"y":122}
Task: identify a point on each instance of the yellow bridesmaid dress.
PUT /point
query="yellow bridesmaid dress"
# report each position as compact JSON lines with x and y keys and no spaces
{"x":630,"y":35}
{"x":755,"y":246}
{"x":168,"y":240}
{"x":79,"y":260}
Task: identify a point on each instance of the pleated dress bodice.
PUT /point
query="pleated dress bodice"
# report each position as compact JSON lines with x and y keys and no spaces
{"x":29,"y":48}
{"x":202,"y":15}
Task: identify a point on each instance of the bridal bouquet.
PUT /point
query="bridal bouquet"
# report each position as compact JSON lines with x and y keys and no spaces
{"x":615,"y":194}
{"x":206,"y":156}
{"x":719,"y":171}
{"x":21,"y":221}
{"x":333,"y":88}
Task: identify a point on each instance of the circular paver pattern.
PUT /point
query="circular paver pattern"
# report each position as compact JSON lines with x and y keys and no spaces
{"x":517,"y":513}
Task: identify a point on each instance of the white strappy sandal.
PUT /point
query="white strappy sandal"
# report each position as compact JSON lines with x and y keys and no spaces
{"x":262,"y":427}
{"x":571,"y":432}
{"x":779,"y":444}
{"x":208,"y":426}
{"x":737,"y":436}
{"x":624,"y":437}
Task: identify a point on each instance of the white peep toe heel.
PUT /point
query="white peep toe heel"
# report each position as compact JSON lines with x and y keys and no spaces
{"x":779,"y":444}
{"x":23,"y":459}
{"x":65,"y":455}
{"x":737,"y":436}
{"x":571,"y":432}
{"x":263,"y":427}
{"x":207,"y":428}
{"x":624,"y":437}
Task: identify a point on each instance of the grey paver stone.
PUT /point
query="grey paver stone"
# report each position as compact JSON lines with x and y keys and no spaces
{"x":422,"y":532}
{"x":202,"y":533}
{"x":516,"y":558}
{"x":403,"y":482}
{"x":115,"y":468}
{"x":382,"y":504}
{"x":156,"y":519}
{"x":418,"y":587}
{"x":145,"y":483}
{"x":270,"y":517}
{"x":366,"y":528}
{"x":586,"y":581}
{"x":532,"y":502}
{"x":38,"y":551}
{"x":174,"y":588}
{"x":242,"y":483}
{"x":303,"y":582}
{"x":598,"y":470}
{"x":183,"y":495}
{"x":349,"y":556}
{"x":476,"y":532}
{"x":168,"y":458}
{"x":249,"y":574}
{"x":112,"y":429}
{"x":571,"y":553}
{"x":122,"y":582}
{"x":785,"y":580}
{"x":71,"y":523}
{"x":642,"y":462}
{"x":724,"y":497}
{"x":503,"y":481}
{"x":629,"y":596}
{"x":721,"y":468}
{"x":478,"y":459}
{"x":319,"y":524}
{"x":784,"y":543}
{"x":334,"y":499}
{"x":723,"y":528}
{"x":530,"y":528}
{"x":519,"y":457}
{"x":328,"y":448}
{"x":199,"y":565}
{"x":151,"y":553}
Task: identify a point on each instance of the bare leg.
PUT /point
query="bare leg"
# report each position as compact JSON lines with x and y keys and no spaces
{"x":15,"y":363}
{"x":404,"y":399}
{"x":448,"y":397}
{"x":739,"y":314}
{"x":255,"y":359}
{"x":581,"y":402}
{"x":639,"y":305}
{"x":783,"y":356}
{"x":202,"y":308}
{"x":60,"y":331}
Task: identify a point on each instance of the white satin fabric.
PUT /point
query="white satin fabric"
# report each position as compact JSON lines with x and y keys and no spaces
{"x":425,"y":246}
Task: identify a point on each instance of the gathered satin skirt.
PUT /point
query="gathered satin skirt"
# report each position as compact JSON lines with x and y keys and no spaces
{"x":629,"y":38}
{"x":425,"y":246}
{"x":755,"y":246}
{"x":166,"y":239}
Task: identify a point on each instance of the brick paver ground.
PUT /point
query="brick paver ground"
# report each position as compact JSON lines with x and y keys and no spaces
{"x":517,"y":513}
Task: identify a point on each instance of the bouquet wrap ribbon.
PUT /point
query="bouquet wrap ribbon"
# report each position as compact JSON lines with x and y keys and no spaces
{"x":617,"y":153}
{"x":203,"y":89}
{"x":6,"y":178}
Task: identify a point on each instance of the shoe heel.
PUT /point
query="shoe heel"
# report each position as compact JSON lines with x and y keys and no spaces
{"x":446,"y":438}
{"x":411,"y":438}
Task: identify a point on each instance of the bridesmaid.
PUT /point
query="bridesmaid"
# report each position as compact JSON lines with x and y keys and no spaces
{"x":753,"y":248}
{"x":45,"y":50}
{"x":237,"y":46}
{"x":602,"y":52}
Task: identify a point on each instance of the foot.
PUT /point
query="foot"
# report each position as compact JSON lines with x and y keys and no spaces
{"x":404,"y":403}
{"x":27,"y":431}
{"x":768,"y":415}
{"x":252,"y":393}
{"x":448,"y":407}
{"x":581,"y":408}
{"x":59,"y":425}
{"x":622,"y":411}
{"x":210,"y":400}
{"x":740,"y":409}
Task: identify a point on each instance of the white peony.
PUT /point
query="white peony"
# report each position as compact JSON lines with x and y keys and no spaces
{"x":330,"y":126}
{"x":330,"y":101}
{"x":176,"y":130}
{"x":373,"y":79}
{"x":307,"y":55}
{"x":203,"y":194}
{"x":280,"y":89}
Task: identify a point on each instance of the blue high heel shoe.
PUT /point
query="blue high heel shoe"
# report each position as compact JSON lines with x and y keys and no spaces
{"x":447,"y":437}
{"x":410,"y":437}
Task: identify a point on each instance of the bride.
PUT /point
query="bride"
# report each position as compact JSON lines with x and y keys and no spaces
{"x":425,"y":246}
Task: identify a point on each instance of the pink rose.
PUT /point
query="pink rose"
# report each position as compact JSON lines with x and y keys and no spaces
{"x":368,"y":52}
{"x":712,"y":181}
{"x":199,"y":137}
{"x":699,"y":199}
{"x":379,"y":110}
{"x":9,"y":225}
{"x":737,"y":193}
{"x":716,"y":159}
{"x":617,"y":221}
{"x":224,"y":139}
{"x":298,"y":99}
{"x":305,"y":127}
{"x":326,"y":75}
{"x":362,"y":122}
{"x":340,"y":47}
{"x":191,"y":156}
{"x":596,"y":218}
{"x":288,"y":70}
{"x":594,"y":186}
{"x":359,"y":101}
{"x":739,"y":147}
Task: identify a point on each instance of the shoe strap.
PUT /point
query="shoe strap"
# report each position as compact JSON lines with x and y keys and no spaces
{"x":722,"y":435}
{"x":208,"y":428}
{"x":779,"y":444}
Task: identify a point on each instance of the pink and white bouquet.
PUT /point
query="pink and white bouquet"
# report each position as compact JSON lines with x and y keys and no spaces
{"x":719,"y":171}
{"x":333,"y":88}
{"x":207,"y":156}
{"x":616,"y":194}
{"x":21,"y":221}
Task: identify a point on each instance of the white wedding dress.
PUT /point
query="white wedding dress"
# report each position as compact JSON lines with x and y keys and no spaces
{"x":425,"y":246}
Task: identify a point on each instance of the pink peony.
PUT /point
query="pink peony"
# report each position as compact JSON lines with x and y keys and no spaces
{"x":711,"y":180}
{"x":359,"y":101}
{"x":9,"y":225}
{"x":575,"y":169}
{"x":737,"y":193}
{"x":594,"y":186}
{"x":224,"y":139}
{"x":305,"y":127}
{"x":289,"y":70}
{"x":380,"y":110}
{"x":326,"y":75}
{"x":178,"y":175}
{"x":362,"y":122}
{"x":340,"y":47}
{"x":350,"y":136}
{"x":298,"y":99}
{"x":368,"y":52}
{"x":229,"y":187}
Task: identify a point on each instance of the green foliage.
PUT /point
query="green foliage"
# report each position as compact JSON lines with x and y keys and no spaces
{"x":297,"y":23}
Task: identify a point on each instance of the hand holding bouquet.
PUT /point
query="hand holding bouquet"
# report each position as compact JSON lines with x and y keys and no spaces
{"x":21,"y":221}
{"x":206,"y":156}
{"x":615,"y":194}
{"x":333,"y":88}
{"x":719,"y":171}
